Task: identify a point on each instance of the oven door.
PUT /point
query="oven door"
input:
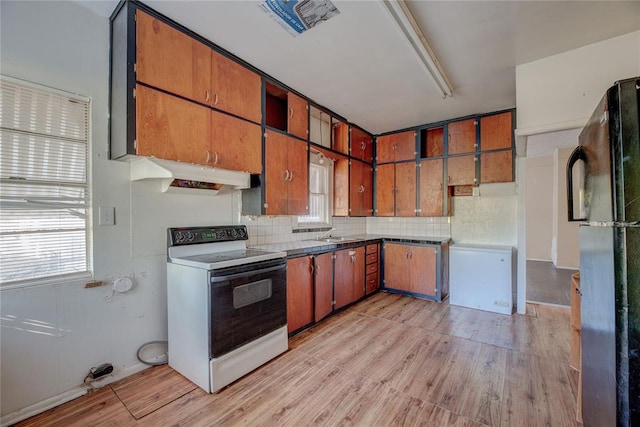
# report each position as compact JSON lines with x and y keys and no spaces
{"x":246,"y":302}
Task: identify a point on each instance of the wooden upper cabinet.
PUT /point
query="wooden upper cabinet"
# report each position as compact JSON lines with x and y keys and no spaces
{"x":235,"y":88}
{"x":496,"y":131}
{"x":406,"y":189}
{"x":461,"y":136}
{"x":298,"y":118}
{"x":461,"y":170}
{"x":360,"y":195}
{"x":496,"y":166}
{"x":432,"y":142}
{"x":385,"y":190}
{"x":287,"y":175}
{"x":237,"y":144}
{"x":168,"y":127}
{"x":171,"y":60}
{"x":340,"y":135}
{"x":341,"y":186}
{"x":361,"y":145}
{"x":396,"y":147}
{"x":431,"y":188}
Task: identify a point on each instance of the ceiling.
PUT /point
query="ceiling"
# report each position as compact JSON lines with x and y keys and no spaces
{"x":358,"y":64}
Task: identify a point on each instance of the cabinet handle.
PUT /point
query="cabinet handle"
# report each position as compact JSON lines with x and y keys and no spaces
{"x":207,"y":95}
{"x":290,"y":176}
{"x":286,"y":174}
{"x":215,"y":158}
{"x":208,"y":156}
{"x":363,"y":145}
{"x":353,"y":259}
{"x":291,"y":113}
{"x":361,"y":189}
{"x":317,"y":269}
{"x":215,"y":99}
{"x":313,"y":269}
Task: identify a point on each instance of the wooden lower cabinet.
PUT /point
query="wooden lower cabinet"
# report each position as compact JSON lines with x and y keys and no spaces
{"x":372,"y":272}
{"x":413,"y":269}
{"x":323,"y":271}
{"x":349,"y":276}
{"x":300,"y":310}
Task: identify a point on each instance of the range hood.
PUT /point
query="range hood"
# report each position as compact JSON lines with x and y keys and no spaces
{"x":182,"y":177}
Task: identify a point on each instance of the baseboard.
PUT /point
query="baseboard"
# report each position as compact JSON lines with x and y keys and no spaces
{"x":538,"y":260}
{"x":64,"y":397}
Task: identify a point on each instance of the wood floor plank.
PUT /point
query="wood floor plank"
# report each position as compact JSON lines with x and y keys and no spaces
{"x":537,"y":392}
{"x":99,"y":408}
{"x":153,"y":388}
{"x":390,"y":360}
{"x":553,"y":312}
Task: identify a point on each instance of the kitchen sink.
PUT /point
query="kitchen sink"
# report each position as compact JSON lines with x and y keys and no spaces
{"x":337,"y":239}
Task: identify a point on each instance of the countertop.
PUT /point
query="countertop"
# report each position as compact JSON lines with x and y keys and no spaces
{"x":302,"y":247}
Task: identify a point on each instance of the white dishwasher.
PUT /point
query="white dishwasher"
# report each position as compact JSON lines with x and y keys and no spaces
{"x":482,"y":277}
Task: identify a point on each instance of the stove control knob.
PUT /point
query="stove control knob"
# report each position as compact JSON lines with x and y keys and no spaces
{"x":241,"y":232}
{"x":234,"y":233}
{"x":179,"y":237}
{"x":190,"y":236}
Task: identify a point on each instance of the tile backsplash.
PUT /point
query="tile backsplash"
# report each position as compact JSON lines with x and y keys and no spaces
{"x":278,"y":229}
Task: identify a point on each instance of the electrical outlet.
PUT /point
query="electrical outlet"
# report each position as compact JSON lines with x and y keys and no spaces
{"x":106,"y":215}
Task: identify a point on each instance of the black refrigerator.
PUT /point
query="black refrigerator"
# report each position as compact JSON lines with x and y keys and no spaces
{"x":603,"y":179}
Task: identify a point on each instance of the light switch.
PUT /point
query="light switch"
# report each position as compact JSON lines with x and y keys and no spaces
{"x":106,"y":215}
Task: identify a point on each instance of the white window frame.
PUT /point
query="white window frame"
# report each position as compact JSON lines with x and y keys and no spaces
{"x":77,"y":207}
{"x":318,"y":160}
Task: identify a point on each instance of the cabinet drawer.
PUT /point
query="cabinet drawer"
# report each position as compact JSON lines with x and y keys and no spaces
{"x":373,"y":248}
{"x":371,"y":282}
{"x":372,"y":268}
{"x":372,"y":258}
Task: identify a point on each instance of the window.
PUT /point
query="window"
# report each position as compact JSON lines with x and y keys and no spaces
{"x":43,"y":182}
{"x":320,"y":190}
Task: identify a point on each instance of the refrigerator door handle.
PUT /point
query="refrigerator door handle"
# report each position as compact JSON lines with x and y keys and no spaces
{"x":577,"y":154}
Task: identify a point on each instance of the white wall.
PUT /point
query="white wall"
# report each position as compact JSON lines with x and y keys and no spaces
{"x":52,"y":335}
{"x":539,"y":212}
{"x":566,"y":247}
{"x":561,"y":91}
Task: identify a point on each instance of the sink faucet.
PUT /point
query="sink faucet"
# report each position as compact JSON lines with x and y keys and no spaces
{"x":325,"y":234}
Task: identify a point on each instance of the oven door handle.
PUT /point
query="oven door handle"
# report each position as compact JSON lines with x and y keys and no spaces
{"x":216,"y":279}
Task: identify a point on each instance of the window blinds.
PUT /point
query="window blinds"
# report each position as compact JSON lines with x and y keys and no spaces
{"x":43,"y":183}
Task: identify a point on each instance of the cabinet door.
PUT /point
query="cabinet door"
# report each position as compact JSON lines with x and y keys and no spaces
{"x":367,"y":195}
{"x":341,"y":187}
{"x":385,"y":148}
{"x":169,"y":59}
{"x":431,"y":188}
{"x":356,"y":188}
{"x":236,"y":89}
{"x":405,"y":146}
{"x":361,"y":145}
{"x":422,"y":265}
{"x":171,"y":128}
{"x":357,"y":282}
{"x":340,"y":137}
{"x":276,"y":174}
{"x":462,"y":136}
{"x":461,"y":170}
{"x":298,"y":165}
{"x":496,"y":131}
{"x":385,"y":190}
{"x":496,"y":166}
{"x":237,"y":144}
{"x":298,"y":121}
{"x":299,"y":293}
{"x":342,"y":278}
{"x":396,"y":266}
{"x":406,"y":189}
{"x":323,"y":285}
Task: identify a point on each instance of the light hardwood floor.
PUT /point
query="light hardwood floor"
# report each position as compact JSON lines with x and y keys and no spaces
{"x":387,"y":361}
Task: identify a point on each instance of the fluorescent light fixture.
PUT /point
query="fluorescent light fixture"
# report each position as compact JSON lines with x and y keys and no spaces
{"x":400,"y":13}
